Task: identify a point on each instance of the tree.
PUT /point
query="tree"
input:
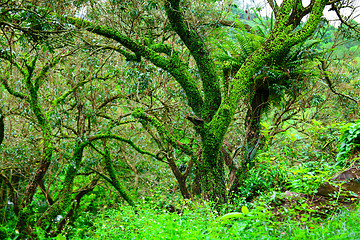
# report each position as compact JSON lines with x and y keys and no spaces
{"x":212,"y":107}
{"x":60,"y":108}
{"x":71,"y":92}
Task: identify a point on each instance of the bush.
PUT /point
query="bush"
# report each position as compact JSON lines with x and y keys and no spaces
{"x":349,"y":143}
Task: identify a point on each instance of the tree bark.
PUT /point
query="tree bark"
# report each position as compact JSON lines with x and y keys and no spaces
{"x":252,"y":138}
{"x":2,"y":126}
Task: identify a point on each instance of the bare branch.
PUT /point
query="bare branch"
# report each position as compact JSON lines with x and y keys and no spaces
{"x":322,"y":67}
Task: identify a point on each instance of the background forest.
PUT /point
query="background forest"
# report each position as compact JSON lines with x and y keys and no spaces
{"x":169,"y":119}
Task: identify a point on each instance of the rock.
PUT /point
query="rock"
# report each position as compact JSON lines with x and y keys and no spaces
{"x":291,"y":194}
{"x":349,"y":174}
{"x":345,"y":181}
{"x":294,"y":195}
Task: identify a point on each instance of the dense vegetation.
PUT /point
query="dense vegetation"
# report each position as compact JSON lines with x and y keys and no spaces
{"x":169,"y":119}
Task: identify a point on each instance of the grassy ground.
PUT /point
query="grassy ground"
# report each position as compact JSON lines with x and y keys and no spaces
{"x":201,"y":222}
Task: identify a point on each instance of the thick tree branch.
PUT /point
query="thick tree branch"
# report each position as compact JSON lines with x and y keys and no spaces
{"x":40,"y":77}
{"x":76,"y":203}
{"x":310,"y":25}
{"x":283,"y":16}
{"x":278,"y":43}
{"x":47,"y":196}
{"x":47,"y":151}
{"x":64,"y":96}
{"x":10,"y":90}
{"x":205,"y":64}
{"x":113,"y":176}
{"x":174,"y":66}
{"x":6,"y":55}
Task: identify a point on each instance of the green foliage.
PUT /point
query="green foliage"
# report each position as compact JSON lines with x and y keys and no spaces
{"x":234,"y":215}
{"x":308,"y":159}
{"x":349,"y":143}
{"x":88,"y":91}
{"x":3,"y":233}
{"x":266,"y":176}
{"x":343,"y":226}
{"x":242,"y":45}
{"x":308,"y":176}
{"x":197,"y":221}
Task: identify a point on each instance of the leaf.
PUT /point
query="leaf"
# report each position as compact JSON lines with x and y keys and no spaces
{"x":229,"y":216}
{"x":244,"y":210}
{"x":60,"y":237}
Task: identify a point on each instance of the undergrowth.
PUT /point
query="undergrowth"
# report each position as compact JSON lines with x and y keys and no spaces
{"x":200,"y":222}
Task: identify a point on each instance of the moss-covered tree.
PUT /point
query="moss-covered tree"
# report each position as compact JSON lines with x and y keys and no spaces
{"x":62,"y":126}
{"x":212,"y":108}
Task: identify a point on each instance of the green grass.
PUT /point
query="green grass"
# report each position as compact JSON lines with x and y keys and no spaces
{"x":201,"y":223}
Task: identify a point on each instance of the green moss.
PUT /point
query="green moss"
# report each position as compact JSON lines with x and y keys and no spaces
{"x":114,"y":179}
{"x":198,"y":49}
{"x":173,"y":66}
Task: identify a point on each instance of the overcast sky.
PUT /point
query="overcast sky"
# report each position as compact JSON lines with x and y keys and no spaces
{"x":330,"y":15}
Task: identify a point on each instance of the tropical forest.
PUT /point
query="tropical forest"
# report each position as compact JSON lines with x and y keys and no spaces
{"x":179,"y":119}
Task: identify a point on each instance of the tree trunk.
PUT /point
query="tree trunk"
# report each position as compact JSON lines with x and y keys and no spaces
{"x":2,"y":126}
{"x":252,"y":138}
{"x":211,"y":169}
{"x":181,"y":178}
{"x":253,"y":116}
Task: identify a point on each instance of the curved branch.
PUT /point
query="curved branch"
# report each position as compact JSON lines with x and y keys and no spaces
{"x":4,"y":54}
{"x":12,"y":91}
{"x":7,"y":56}
{"x":342,"y":20}
{"x":283,"y":14}
{"x":64,"y":96}
{"x":204,"y":62}
{"x":75,"y":205}
{"x":39,"y":78}
{"x":329,"y":83}
{"x":179,"y":71}
{"x":113,"y":176}
{"x":161,"y":129}
{"x":310,"y":25}
{"x":113,"y":136}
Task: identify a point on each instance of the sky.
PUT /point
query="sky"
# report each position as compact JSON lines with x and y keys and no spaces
{"x":330,"y":15}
